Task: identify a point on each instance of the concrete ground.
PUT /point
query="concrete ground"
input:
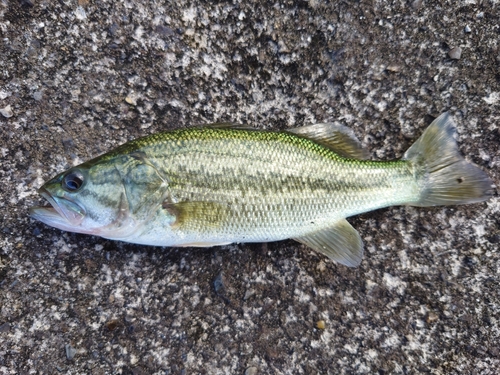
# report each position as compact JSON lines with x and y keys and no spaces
{"x":78,"y":78}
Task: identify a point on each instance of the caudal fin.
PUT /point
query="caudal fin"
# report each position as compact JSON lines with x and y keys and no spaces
{"x":447,"y":177}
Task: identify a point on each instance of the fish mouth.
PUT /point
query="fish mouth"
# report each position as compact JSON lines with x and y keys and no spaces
{"x":63,"y":213}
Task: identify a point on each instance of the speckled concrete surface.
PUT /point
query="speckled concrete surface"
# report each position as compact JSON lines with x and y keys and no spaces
{"x":80,"y":77}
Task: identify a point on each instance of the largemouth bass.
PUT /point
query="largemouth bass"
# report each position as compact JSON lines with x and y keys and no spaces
{"x":220,"y":184}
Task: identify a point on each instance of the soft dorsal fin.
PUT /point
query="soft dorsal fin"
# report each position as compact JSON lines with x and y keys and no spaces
{"x":342,"y":243}
{"x":338,"y":138}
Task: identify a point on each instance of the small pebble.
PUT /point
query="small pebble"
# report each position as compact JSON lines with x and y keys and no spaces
{"x":416,"y":4}
{"x":68,"y":144}
{"x":7,"y":111}
{"x":114,"y":28}
{"x":321,"y":266}
{"x":455,"y":53}
{"x":80,"y":13}
{"x":432,"y":317}
{"x":113,"y":324}
{"x":249,"y":293}
{"x":131,"y":99}
{"x":26,"y":3}
{"x":219,"y":284}
{"x":70,"y":351}
{"x":251,"y":371}
{"x":5,"y":327}
{"x":467,"y":29}
{"x":493,"y":352}
{"x":38,"y":95}
{"x":395,"y":68}
{"x":4,"y":94}
{"x":320,"y":324}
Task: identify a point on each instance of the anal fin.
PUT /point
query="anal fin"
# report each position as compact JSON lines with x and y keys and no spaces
{"x":341,"y":243}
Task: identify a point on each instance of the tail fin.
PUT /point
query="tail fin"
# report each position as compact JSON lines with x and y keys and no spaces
{"x":449,"y":178}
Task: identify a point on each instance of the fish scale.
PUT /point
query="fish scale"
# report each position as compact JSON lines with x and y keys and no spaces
{"x":269,"y":185}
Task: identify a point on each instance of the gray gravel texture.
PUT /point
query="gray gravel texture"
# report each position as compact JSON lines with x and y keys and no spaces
{"x":78,"y":78}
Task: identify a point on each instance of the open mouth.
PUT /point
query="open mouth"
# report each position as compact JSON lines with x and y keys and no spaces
{"x":63,"y":213}
{"x":67,"y":215}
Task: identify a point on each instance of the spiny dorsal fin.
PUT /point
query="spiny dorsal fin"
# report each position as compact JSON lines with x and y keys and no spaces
{"x":337,"y":137}
{"x":342,"y":243}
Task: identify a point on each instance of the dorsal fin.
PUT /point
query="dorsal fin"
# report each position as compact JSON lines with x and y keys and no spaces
{"x":338,"y":138}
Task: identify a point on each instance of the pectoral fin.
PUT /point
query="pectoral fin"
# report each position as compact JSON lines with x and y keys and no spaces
{"x":198,"y":215}
{"x":342,"y":243}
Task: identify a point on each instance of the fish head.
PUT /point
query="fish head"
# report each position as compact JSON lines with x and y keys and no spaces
{"x":88,"y":199}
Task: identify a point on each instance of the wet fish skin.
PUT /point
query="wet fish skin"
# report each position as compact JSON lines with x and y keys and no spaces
{"x":217,"y":185}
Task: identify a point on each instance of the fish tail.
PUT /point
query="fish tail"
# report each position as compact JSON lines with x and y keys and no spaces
{"x":445,"y":177}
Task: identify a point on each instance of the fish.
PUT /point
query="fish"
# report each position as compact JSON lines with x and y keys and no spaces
{"x":220,"y":184}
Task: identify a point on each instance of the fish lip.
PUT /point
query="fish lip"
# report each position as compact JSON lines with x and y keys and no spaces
{"x":67,"y":215}
{"x":63,"y":211}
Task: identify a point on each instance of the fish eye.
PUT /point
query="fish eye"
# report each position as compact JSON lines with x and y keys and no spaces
{"x":72,"y":181}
